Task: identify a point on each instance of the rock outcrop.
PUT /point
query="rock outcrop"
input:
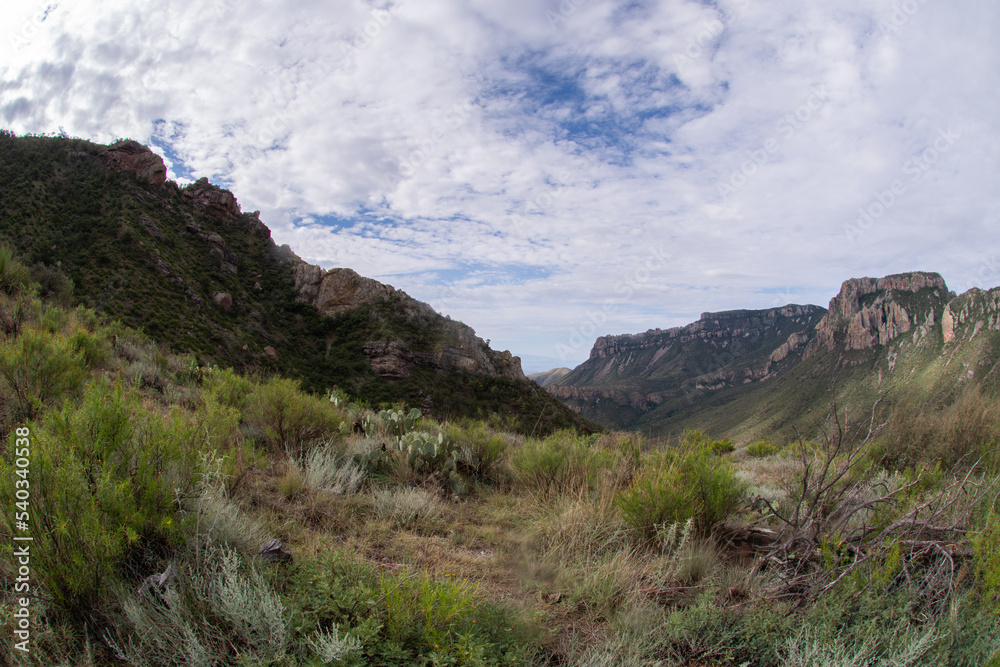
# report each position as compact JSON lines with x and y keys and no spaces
{"x":867,"y":312}
{"x":128,"y":155}
{"x":211,"y":199}
{"x":339,"y":290}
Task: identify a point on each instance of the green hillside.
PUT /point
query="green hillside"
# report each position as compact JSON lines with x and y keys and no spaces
{"x":215,"y":285}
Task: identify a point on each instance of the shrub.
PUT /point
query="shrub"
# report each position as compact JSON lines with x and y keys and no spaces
{"x":987,"y":549}
{"x":218,"y":604}
{"x":402,"y":618}
{"x":328,"y":470}
{"x":675,"y":487}
{"x":227,"y":387}
{"x":761,"y":448}
{"x":93,"y":348}
{"x":39,"y":368}
{"x":104,"y":478}
{"x":485,"y":450}
{"x":404,"y":507}
{"x":561,"y":463}
{"x":289,"y":418}
{"x":14,"y":276}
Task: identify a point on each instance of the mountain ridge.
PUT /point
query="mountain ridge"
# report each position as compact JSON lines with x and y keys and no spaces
{"x":202,"y":276}
{"x":873,"y":328}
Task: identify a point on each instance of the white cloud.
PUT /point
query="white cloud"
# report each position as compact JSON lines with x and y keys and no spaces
{"x":424,"y":127}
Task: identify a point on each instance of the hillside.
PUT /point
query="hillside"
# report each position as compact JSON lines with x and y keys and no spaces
{"x":102,"y":227}
{"x":905,"y":335}
{"x":548,"y":377}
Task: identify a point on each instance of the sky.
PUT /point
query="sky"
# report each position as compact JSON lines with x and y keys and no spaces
{"x":550,"y":171}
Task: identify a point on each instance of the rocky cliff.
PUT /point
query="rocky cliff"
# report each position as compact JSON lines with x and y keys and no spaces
{"x":905,"y":334}
{"x":456,"y":348}
{"x":868,"y":312}
{"x":637,"y":373}
{"x":128,"y":155}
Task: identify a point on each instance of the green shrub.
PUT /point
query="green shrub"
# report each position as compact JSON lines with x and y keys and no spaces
{"x":561,"y":463}
{"x":485,"y":450}
{"x":104,"y":478}
{"x":227,"y":387}
{"x":987,"y":549}
{"x":761,"y":448}
{"x":14,"y":276}
{"x":93,"y":348}
{"x":674,"y":487}
{"x":403,"y":618}
{"x":289,"y":418}
{"x":40,"y":368}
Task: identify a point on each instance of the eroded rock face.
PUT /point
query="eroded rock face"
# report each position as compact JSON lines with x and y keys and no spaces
{"x":337,"y":290}
{"x":212,"y":200}
{"x":458,"y":349}
{"x":128,"y":155}
{"x":867,"y":312}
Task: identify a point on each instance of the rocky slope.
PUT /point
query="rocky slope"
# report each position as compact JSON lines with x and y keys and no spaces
{"x":200,"y":275}
{"x":906,"y":333}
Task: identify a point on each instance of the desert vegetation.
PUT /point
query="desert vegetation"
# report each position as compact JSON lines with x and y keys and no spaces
{"x":415,"y":541}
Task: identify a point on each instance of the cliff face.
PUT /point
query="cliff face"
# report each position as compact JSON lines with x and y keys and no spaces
{"x":731,"y":373}
{"x":732,"y":346}
{"x":869,"y":312}
{"x":640,"y":372}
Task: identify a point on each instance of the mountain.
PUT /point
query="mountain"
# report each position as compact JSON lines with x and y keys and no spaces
{"x":627,"y":377}
{"x":103,"y":227}
{"x":548,"y":377}
{"x":905,"y":335}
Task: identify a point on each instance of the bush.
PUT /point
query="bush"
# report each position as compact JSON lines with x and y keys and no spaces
{"x":404,"y":507}
{"x":485,"y":450}
{"x":674,"y":487}
{"x":329,"y":470}
{"x":403,"y":619}
{"x":987,"y":549}
{"x":761,"y":448}
{"x":14,"y":276}
{"x":561,"y":463}
{"x":218,"y":604}
{"x":289,"y":418}
{"x":39,"y":368}
{"x":227,"y":387}
{"x":104,"y":478}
